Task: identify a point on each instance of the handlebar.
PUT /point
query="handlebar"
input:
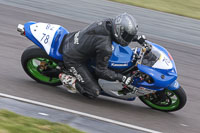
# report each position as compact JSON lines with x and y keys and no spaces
{"x":148,"y":47}
{"x":145,"y":49}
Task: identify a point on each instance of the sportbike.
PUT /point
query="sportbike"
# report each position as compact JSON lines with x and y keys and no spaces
{"x":154,"y":72}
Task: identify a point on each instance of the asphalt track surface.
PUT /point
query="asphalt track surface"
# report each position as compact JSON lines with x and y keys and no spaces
{"x":179,"y":35}
{"x":81,"y":122}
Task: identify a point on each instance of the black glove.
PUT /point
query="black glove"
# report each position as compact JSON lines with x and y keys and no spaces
{"x":148,"y":48}
{"x":141,"y":40}
{"x":127,"y":80}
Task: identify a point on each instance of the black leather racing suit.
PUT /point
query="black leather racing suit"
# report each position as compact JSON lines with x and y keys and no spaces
{"x":78,"y":47}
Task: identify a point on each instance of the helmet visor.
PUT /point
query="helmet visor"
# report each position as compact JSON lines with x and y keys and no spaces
{"x":127,"y":37}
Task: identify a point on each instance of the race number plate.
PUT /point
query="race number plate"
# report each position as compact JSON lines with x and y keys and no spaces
{"x":44,"y":33}
{"x":163,"y":63}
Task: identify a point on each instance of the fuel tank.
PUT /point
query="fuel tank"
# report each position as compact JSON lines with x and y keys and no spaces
{"x":121,"y":57}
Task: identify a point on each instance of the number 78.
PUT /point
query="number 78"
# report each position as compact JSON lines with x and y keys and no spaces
{"x":46,"y":38}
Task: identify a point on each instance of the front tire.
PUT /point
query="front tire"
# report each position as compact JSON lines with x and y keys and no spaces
{"x":174,"y":100}
{"x":35,"y":60}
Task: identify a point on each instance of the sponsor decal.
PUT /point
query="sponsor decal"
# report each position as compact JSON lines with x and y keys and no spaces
{"x":167,"y":61}
{"x":76,"y":40}
{"x":113,"y":48}
{"x":113,"y":64}
{"x":176,"y":85}
{"x":75,"y":73}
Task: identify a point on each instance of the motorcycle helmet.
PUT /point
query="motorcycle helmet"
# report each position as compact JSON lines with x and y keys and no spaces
{"x":124,"y":28}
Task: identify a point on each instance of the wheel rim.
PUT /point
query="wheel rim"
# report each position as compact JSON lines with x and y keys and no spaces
{"x":33,"y":65}
{"x":171,"y":103}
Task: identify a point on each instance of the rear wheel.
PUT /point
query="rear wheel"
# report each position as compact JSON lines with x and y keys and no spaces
{"x":37,"y":64}
{"x":166,"y":100}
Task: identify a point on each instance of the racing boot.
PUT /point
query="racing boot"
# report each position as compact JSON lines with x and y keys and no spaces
{"x":89,"y":93}
{"x":69,"y":82}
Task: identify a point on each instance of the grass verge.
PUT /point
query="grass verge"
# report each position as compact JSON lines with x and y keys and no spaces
{"x":14,"y":123}
{"x":188,"y":8}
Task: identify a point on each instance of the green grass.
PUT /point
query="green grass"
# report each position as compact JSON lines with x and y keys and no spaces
{"x":188,"y":8}
{"x":14,"y":123}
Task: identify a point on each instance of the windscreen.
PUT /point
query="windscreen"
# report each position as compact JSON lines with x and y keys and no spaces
{"x":151,"y":58}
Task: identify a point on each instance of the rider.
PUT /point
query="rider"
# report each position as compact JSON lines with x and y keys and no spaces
{"x":95,"y":41}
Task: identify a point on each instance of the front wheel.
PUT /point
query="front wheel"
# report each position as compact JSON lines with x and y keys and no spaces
{"x":39,"y":66}
{"x":166,"y":100}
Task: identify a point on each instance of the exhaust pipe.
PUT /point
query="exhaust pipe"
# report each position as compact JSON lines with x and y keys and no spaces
{"x":20,"y":28}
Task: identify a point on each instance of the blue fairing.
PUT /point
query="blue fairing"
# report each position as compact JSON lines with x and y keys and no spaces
{"x":175,"y":85}
{"x":121,"y":57}
{"x":57,"y":40}
{"x":54,"y":52}
{"x":163,"y":78}
{"x":156,"y":74}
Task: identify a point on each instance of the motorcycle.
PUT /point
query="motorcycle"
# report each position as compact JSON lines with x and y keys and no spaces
{"x":154,"y":72}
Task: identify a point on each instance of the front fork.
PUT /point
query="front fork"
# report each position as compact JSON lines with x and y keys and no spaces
{"x":173,"y":86}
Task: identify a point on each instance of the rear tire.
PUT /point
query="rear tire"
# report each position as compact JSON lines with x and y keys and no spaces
{"x":176,"y":100}
{"x":29,"y":59}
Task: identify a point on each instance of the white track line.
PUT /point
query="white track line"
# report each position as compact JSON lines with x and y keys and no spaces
{"x":79,"y":113}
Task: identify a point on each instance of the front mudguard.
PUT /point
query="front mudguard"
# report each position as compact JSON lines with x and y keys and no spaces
{"x":174,"y":85}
